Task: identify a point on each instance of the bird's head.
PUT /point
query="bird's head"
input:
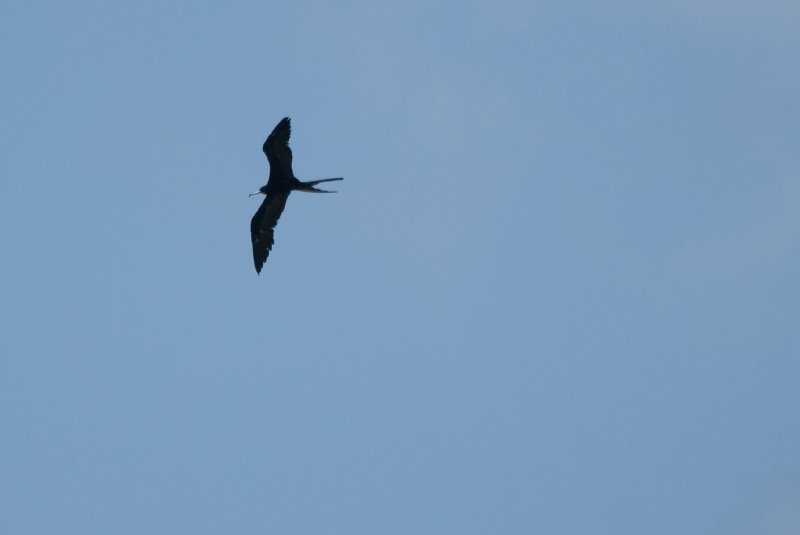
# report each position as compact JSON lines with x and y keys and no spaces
{"x":262,"y":189}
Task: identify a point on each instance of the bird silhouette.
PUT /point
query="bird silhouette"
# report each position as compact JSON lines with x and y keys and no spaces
{"x":280,"y":184}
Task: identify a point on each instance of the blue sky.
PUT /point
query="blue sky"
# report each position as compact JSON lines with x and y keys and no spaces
{"x":556,"y":292}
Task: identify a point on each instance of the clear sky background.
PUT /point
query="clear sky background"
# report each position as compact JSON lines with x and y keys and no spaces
{"x":557,"y":292}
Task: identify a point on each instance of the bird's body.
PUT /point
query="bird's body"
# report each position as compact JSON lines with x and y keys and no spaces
{"x":280,"y":184}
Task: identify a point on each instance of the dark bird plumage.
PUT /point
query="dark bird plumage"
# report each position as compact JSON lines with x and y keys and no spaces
{"x":280,"y":184}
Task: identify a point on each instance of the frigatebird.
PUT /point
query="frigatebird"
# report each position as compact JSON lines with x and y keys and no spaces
{"x":280,"y":184}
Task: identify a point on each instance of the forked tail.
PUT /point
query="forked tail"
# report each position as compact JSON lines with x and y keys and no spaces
{"x":309,"y":186}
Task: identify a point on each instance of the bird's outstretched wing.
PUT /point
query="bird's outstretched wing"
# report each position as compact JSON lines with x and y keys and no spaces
{"x":279,"y":155}
{"x":262,"y":227}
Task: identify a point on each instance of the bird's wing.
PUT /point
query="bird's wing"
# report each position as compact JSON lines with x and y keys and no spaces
{"x":262,"y":227}
{"x":276,"y":147}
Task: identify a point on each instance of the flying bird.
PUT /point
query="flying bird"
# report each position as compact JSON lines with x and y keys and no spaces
{"x":280,"y":184}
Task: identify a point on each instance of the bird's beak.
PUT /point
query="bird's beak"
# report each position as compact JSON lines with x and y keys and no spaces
{"x":254,"y":193}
